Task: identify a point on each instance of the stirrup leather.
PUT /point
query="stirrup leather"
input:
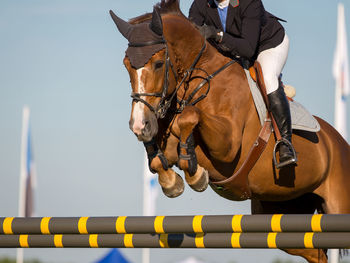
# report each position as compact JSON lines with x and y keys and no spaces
{"x":292,"y":160}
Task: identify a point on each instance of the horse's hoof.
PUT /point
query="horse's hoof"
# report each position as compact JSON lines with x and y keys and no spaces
{"x":200,"y":181}
{"x":175,"y":190}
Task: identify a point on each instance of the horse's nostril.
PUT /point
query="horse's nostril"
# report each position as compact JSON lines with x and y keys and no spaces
{"x":146,"y":127}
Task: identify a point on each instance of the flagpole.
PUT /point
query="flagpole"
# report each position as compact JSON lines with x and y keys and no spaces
{"x":23,"y":171}
{"x":341,"y":74}
{"x":146,"y":200}
{"x":342,"y":88}
{"x":150,"y":193}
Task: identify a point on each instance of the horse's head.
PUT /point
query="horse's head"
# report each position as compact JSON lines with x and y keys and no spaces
{"x":148,"y":63}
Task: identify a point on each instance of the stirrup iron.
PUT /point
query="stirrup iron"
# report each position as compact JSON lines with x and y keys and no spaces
{"x":292,"y":160}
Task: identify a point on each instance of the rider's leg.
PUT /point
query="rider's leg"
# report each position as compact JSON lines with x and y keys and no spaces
{"x":279,"y":107}
{"x":272,"y":62}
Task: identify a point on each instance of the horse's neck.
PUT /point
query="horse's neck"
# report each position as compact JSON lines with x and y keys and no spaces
{"x":195,"y":61}
{"x":230,"y":87}
{"x":184,"y":40}
{"x":185,"y":45}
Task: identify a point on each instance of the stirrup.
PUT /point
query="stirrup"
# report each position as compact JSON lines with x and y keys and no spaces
{"x":292,"y":160}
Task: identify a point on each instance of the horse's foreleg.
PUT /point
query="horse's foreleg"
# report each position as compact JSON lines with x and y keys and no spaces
{"x":221,"y":141}
{"x":196,"y":176}
{"x":171,"y":183}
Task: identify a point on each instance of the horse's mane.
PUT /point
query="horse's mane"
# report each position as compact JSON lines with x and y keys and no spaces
{"x":164,"y":7}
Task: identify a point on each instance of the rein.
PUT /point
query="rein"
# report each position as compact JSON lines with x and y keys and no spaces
{"x":184,"y":103}
{"x":165,"y":103}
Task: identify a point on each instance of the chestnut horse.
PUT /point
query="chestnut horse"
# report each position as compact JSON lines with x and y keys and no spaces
{"x":192,"y":107}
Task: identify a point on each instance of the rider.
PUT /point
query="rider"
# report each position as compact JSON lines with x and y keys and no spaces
{"x":243,"y":29}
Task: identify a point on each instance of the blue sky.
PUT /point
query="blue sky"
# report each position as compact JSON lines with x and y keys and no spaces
{"x":64,"y":60}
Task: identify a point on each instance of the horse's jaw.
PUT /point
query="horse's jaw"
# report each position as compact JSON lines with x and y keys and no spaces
{"x":143,"y":138}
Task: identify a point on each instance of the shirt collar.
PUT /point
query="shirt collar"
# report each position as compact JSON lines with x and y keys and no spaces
{"x":223,"y":4}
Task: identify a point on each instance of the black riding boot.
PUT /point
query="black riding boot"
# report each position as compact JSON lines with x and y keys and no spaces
{"x":279,"y":107}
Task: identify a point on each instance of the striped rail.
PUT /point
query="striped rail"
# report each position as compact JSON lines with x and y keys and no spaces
{"x":208,"y":240}
{"x":210,"y":231}
{"x":175,"y":224}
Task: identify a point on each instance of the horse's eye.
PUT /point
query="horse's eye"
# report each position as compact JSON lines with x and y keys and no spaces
{"x":158,"y":64}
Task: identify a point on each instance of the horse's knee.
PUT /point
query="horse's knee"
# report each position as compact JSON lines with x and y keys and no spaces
{"x":188,"y":118}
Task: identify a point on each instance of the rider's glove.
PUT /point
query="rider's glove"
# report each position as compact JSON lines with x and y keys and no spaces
{"x":210,"y":32}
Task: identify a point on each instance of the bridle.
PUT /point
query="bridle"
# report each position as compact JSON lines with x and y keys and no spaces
{"x":165,"y":102}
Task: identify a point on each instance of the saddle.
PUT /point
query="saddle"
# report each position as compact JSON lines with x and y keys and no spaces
{"x":239,"y":180}
{"x":302,"y":119}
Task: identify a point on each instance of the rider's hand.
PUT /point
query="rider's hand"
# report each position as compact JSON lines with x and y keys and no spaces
{"x":210,"y":32}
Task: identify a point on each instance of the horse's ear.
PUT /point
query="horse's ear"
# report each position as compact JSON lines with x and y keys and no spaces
{"x":123,"y":26}
{"x":156,"y":24}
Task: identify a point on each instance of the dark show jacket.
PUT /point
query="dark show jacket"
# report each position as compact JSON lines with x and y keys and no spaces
{"x":249,"y":28}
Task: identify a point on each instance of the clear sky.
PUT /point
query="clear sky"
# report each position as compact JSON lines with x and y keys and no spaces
{"x":63,"y":58}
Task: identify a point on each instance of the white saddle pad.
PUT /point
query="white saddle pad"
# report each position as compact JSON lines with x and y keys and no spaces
{"x":301,"y":118}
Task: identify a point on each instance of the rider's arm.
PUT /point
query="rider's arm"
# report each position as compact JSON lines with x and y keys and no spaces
{"x":246,"y":45}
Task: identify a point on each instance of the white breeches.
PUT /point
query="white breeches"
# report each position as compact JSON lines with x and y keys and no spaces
{"x":272,"y":62}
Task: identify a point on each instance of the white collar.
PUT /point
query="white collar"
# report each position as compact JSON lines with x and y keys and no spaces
{"x":223,"y":4}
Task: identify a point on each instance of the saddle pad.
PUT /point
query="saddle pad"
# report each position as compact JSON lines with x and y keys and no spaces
{"x":301,"y":118}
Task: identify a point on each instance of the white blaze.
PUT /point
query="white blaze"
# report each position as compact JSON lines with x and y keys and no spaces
{"x":137,"y":114}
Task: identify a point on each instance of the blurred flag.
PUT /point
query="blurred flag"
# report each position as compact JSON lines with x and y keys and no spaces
{"x":150,"y":194}
{"x":27,"y":176}
{"x":150,"y":190}
{"x":191,"y":260}
{"x":341,"y":74}
{"x":113,"y":256}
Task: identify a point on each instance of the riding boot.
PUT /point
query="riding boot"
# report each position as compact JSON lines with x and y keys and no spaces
{"x":279,"y":107}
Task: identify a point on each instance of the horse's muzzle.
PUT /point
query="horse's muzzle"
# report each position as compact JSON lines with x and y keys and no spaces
{"x":145,"y":129}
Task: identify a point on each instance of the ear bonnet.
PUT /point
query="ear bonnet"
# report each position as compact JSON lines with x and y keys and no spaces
{"x":145,"y":39}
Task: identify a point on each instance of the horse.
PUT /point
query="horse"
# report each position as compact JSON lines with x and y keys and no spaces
{"x":192,"y":107}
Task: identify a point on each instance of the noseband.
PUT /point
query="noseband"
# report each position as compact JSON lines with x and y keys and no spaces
{"x":165,"y":101}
